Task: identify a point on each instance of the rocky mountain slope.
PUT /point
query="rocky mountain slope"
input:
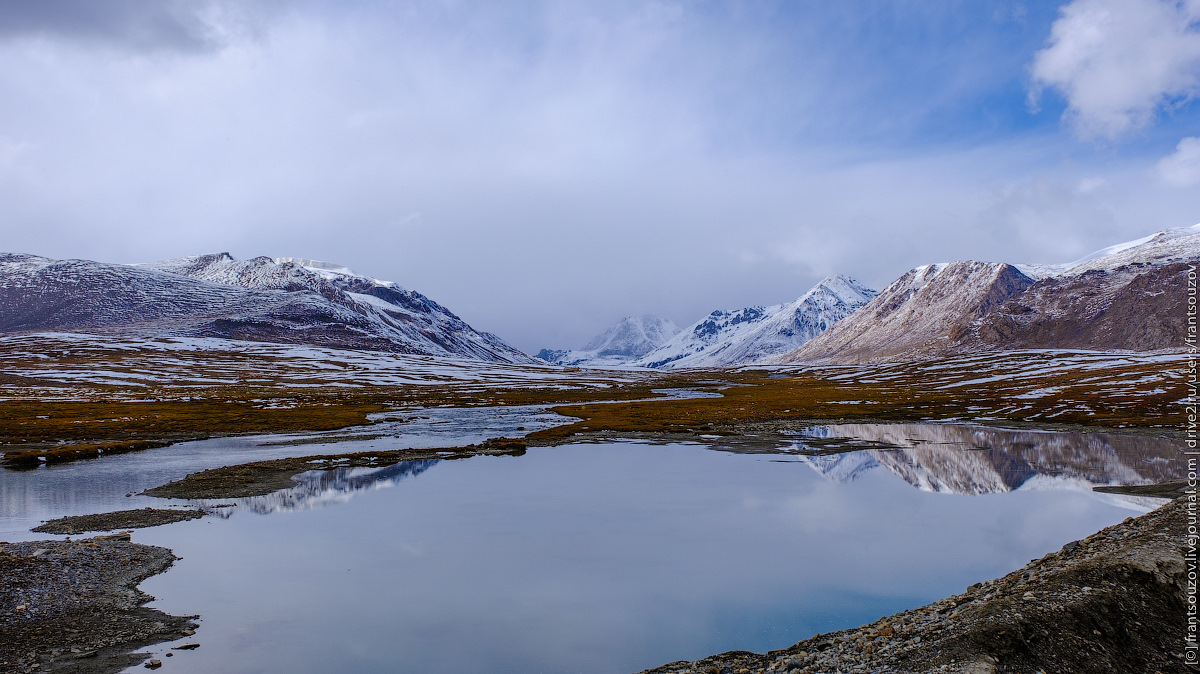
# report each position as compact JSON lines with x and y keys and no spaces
{"x":629,"y":340}
{"x":918,"y":314}
{"x":284,"y":300}
{"x":754,"y":334}
{"x":1126,"y":297}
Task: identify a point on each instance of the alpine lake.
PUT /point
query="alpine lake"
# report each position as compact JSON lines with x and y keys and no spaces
{"x":595,"y":556}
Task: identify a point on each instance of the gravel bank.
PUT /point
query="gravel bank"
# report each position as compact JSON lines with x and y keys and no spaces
{"x":120,"y":519}
{"x":1113,"y":602}
{"x":74,"y":605}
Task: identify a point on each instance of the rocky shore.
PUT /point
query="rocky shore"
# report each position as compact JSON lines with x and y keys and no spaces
{"x":1112,"y":602}
{"x":74,"y":605}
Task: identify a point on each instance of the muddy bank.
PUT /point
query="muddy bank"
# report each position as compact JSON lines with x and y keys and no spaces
{"x":1112,"y":602}
{"x":74,"y":605}
{"x":120,"y":519}
{"x":264,"y":477}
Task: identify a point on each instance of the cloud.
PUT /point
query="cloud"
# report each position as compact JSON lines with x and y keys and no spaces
{"x":1118,"y":62}
{"x":161,"y":25}
{"x":545,"y":168}
{"x":1182,"y":168}
{"x":1057,"y":218}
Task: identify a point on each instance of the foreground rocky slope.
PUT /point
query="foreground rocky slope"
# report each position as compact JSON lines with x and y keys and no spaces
{"x":1113,"y":602}
{"x":1126,"y":297}
{"x":74,"y":605}
{"x":285,"y":300}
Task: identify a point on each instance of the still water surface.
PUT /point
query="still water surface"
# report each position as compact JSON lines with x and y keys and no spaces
{"x":598,"y":557}
{"x":602,"y":557}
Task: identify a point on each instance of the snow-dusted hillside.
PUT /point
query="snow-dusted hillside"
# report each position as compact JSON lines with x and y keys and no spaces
{"x":1129,"y":296}
{"x":918,"y":313}
{"x":632,"y":338}
{"x":286,"y":301}
{"x":1165,"y":247}
{"x":754,"y":334}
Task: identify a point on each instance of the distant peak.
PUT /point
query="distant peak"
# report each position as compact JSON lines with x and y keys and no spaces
{"x":315,"y":264}
{"x":841,"y":286}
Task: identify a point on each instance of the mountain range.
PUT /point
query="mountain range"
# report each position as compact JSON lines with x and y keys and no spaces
{"x":285,"y":300}
{"x":722,"y":338}
{"x":1127,"y":297}
{"x":755,"y":334}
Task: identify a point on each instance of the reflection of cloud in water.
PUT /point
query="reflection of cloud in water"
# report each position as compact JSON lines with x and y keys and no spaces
{"x":962,"y":459}
{"x":318,"y":488}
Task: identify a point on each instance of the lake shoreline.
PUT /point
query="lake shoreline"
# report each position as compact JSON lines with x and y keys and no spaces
{"x":1114,"y":601}
{"x":74,"y":605}
{"x":117,"y":566}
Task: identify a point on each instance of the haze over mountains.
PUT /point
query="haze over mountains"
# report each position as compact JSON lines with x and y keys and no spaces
{"x":723,"y":338}
{"x":632,"y":338}
{"x":1131,"y":296}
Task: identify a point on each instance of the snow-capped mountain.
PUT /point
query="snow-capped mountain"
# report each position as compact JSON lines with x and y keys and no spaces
{"x":632,"y":338}
{"x":919,"y":312}
{"x":754,"y":334}
{"x":1125,"y":297}
{"x":286,"y":300}
{"x":1165,"y":247}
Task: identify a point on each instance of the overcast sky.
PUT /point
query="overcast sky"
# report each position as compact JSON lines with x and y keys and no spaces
{"x":545,"y":168}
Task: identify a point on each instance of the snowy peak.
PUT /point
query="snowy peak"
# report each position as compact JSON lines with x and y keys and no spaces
{"x":632,"y":338}
{"x":260,"y":273}
{"x":755,"y":334}
{"x":1165,"y":247}
{"x":318,"y":266}
{"x":841,"y":287}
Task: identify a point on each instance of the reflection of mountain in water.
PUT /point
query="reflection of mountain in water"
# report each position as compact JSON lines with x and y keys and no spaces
{"x":318,"y":488}
{"x":963,"y":459}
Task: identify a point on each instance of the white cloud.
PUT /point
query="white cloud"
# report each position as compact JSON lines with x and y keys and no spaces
{"x":1182,"y":168}
{"x":1119,"y":61}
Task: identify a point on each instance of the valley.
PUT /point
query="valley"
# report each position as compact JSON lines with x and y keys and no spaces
{"x":255,"y":405}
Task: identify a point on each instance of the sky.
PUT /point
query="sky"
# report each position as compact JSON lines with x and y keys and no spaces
{"x":544,"y":168}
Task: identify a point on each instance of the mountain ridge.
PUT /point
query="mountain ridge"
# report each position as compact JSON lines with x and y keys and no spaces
{"x":755,"y":334}
{"x":1126,"y":297}
{"x":216,"y":295}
